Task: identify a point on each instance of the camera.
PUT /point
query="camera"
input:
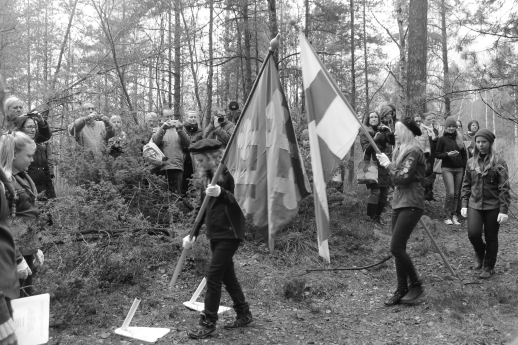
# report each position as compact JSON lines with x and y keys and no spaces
{"x":32,"y":113}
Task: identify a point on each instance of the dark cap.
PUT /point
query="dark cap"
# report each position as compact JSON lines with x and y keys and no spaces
{"x":205,"y":145}
{"x":233,"y":106}
{"x":485,"y":133}
{"x":409,"y":123}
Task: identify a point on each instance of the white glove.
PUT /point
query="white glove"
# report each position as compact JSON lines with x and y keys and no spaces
{"x":39,"y":258}
{"x":23,"y":270}
{"x":383,"y":159}
{"x":464,"y":212}
{"x":188,"y":243}
{"x":502,"y":218}
{"x":214,"y":191}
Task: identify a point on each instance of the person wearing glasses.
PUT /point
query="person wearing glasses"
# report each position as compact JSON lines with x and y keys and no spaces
{"x":40,"y":170}
{"x":91,"y":131}
{"x":453,"y":153}
{"x":14,"y":108}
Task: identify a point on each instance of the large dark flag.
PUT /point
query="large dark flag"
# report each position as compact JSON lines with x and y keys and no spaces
{"x":264,"y":158}
{"x":333,"y":127}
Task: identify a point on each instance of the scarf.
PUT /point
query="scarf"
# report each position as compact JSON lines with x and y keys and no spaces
{"x":430,"y":131}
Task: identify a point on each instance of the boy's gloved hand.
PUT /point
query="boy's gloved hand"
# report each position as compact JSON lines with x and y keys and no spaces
{"x":214,"y":191}
{"x":188,"y":243}
{"x":464,"y":212}
{"x":383,"y":159}
{"x":23,"y":270}
{"x":502,"y":218}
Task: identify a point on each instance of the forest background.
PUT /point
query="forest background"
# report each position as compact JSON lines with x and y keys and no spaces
{"x":457,"y":58}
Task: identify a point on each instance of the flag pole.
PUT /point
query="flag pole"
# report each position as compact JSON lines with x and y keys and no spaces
{"x":220,"y":169}
{"x":376,"y":149}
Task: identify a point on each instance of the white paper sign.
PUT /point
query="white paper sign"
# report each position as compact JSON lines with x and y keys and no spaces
{"x":31,"y":316}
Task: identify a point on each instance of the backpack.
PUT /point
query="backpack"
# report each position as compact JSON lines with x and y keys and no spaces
{"x":153,"y":155}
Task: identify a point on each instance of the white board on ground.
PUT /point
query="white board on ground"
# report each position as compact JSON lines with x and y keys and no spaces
{"x":148,"y":334}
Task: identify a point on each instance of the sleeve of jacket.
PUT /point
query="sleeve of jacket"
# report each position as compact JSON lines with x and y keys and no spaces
{"x":227,"y":195}
{"x":404,"y":173}
{"x":185,"y":142}
{"x":440,"y":150}
{"x":464,"y":155}
{"x":366,"y":145}
{"x":7,"y":325}
{"x":51,"y":192}
{"x":208,"y":130}
{"x":391,"y":138}
{"x":225,"y":134}
{"x":465,"y":191}
{"x":75,"y":128}
{"x":427,"y":146}
{"x":158,"y":137}
{"x":503,"y":187}
{"x":44,"y":132}
{"x":110,"y":130}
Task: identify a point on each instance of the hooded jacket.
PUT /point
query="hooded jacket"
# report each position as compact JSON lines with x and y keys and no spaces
{"x":40,"y":170}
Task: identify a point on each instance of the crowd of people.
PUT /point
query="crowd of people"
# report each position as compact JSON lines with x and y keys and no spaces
{"x":409,"y":153}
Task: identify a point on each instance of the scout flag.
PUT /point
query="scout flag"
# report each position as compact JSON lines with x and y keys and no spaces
{"x":333,"y":127}
{"x":264,"y":159}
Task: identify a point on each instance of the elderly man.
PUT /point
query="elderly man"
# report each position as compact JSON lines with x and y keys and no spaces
{"x":91,"y":131}
{"x":195,"y":134}
{"x":172,"y":140}
{"x":14,"y":107}
{"x":220,"y":128}
{"x":116,"y":143}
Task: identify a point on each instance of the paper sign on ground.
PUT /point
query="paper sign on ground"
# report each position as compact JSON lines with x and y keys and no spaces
{"x":31,"y":316}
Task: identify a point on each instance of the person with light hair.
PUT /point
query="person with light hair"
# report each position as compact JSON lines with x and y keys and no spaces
{"x":14,"y":108}
{"x":117,"y":142}
{"x":91,"y":131}
{"x":407,"y":171}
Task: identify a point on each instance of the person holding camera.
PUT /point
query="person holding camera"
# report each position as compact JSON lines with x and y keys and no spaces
{"x":172,"y":140}
{"x":384,"y":138}
{"x":91,"y":131}
{"x":452,"y":152}
{"x":14,"y":106}
{"x":220,"y":128}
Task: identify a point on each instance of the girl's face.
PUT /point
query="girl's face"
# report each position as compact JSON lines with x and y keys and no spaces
{"x":450,"y":129}
{"x":418,"y":120}
{"x":204,"y":161}
{"x":429,"y":120}
{"x":29,"y":128}
{"x":482,"y":145}
{"x":23,"y":159}
{"x":459,"y":125}
{"x":15,"y":110}
{"x":474,"y":127}
{"x":373,"y":119}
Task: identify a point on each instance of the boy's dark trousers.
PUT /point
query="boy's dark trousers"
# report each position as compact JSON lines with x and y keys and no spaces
{"x":26,"y":288}
{"x":221,"y":271}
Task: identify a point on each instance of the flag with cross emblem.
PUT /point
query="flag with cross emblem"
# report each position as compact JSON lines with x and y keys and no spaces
{"x":264,"y":158}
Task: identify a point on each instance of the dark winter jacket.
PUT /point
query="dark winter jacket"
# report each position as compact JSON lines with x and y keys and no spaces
{"x":40,"y":172}
{"x":384,"y":143}
{"x":195,"y":134}
{"x":408,"y":178}
{"x":223,"y":216}
{"x":25,"y":235}
{"x":486,"y":190}
{"x":221,"y":133}
{"x":9,"y":284}
{"x":446,"y":143}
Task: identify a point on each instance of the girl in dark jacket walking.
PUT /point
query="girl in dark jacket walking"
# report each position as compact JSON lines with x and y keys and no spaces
{"x":40,"y":170}
{"x":407,"y":171}
{"x":452,"y":152}
{"x":485,"y":200}
{"x":384,"y":139}
{"x":225,"y":229}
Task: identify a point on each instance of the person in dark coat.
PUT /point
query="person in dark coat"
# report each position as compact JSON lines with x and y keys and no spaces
{"x":195,"y":134}
{"x":225,"y":229}
{"x":428,"y":125}
{"x":407,"y":171}
{"x":473,"y":127}
{"x":452,"y":152}
{"x":485,"y":200}
{"x":40,"y":170}
{"x":384,"y":138}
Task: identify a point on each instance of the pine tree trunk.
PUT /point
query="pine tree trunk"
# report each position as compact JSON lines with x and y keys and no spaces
{"x":446,"y":72}
{"x":247,"y":38}
{"x":350,"y":176}
{"x":211,"y":64}
{"x":177,"y":58}
{"x":402,"y":100}
{"x":417,"y":54}
{"x":365,"y":53}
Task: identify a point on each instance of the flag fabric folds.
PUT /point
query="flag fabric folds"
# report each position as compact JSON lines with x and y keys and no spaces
{"x":333,"y":127}
{"x":264,"y":158}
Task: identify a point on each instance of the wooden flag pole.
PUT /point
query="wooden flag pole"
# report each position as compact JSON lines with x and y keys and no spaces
{"x":215,"y":178}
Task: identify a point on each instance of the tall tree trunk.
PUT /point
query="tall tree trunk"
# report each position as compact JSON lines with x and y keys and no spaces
{"x":445,"y":68}
{"x":150,"y":86}
{"x":417,"y":54}
{"x":273,"y":23}
{"x":29,"y":96}
{"x":211,"y":64}
{"x":177,"y":58}
{"x":365,"y":61}
{"x":170,"y":55}
{"x":350,"y":175}
{"x":306,"y":33}
{"x":402,"y":83}
{"x":247,"y":38}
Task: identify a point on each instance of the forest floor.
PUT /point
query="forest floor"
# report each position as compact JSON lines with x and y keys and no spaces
{"x":340,"y":307}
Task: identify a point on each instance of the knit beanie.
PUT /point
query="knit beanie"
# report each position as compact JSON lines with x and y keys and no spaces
{"x":450,"y":122}
{"x":485,"y":133}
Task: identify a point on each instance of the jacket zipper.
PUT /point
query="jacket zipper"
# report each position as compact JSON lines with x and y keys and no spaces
{"x":230,"y":221}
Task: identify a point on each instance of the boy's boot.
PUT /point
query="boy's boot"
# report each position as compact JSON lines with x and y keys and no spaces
{"x":203,"y":330}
